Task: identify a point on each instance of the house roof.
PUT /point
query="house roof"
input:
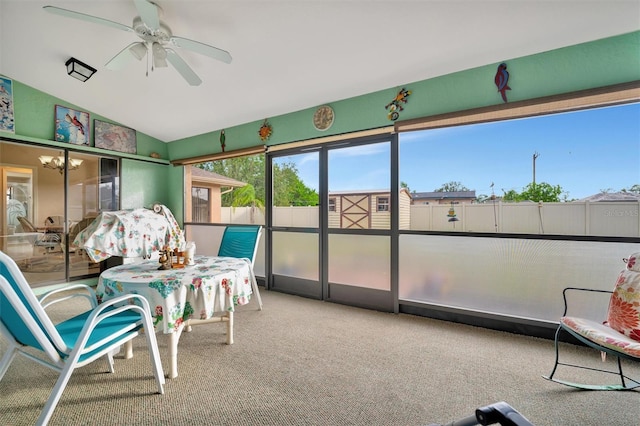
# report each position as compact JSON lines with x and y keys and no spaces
{"x":288,"y":56}
{"x":200,"y":175}
{"x":612,"y":196}
{"x":366,"y":191}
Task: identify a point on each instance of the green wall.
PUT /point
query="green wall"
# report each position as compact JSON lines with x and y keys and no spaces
{"x":584,"y":66}
{"x":34,"y":118}
{"x":144,"y":180}
{"x":144,"y":183}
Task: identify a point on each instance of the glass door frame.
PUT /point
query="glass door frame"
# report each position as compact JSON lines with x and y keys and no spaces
{"x":353,"y":296}
{"x":25,"y":155}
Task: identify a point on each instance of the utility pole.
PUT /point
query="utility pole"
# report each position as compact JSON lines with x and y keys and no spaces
{"x":535,"y":155}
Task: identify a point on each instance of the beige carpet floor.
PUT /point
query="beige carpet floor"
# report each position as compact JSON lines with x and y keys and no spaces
{"x":307,"y":362}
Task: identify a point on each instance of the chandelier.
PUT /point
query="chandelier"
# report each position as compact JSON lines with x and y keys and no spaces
{"x":57,"y":163}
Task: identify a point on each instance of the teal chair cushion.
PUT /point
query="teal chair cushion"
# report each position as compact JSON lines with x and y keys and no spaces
{"x":111,"y":330}
{"x":239,"y":241}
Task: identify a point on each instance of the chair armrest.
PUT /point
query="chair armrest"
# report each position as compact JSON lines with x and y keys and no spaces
{"x":567,"y":290}
{"x":60,"y":295}
{"x":119,"y":305}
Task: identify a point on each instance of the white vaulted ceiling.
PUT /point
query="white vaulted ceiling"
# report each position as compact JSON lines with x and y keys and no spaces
{"x":287,"y":55}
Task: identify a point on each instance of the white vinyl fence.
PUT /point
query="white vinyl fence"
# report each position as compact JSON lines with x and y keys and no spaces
{"x":617,"y":219}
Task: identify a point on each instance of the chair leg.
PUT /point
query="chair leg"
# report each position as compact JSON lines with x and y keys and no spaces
{"x":623,"y":377}
{"x":623,"y":386}
{"x":9,"y":355}
{"x":555,"y":366}
{"x":256,"y":291}
{"x":56,"y":393}
{"x":154,"y":356}
{"x":110,"y":356}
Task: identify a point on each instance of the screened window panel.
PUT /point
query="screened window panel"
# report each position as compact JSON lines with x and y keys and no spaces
{"x":226,"y":188}
{"x":295,"y":190}
{"x":295,"y":254}
{"x":359,"y":176}
{"x":360,"y":261}
{"x":573,"y":173}
{"x":517,"y":277}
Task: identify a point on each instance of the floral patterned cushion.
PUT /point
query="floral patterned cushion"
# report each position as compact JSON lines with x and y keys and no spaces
{"x":603,"y":335}
{"x":624,"y":305}
{"x":633,"y":263}
{"x":621,"y":330}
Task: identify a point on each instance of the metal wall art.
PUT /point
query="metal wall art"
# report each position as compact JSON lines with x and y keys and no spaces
{"x":502,"y":80}
{"x":265,"y":131}
{"x":395,"y":106}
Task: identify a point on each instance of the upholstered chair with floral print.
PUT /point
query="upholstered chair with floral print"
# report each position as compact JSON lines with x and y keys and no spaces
{"x":617,"y":335}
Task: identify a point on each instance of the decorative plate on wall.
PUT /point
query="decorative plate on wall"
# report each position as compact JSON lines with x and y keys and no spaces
{"x":323,"y":117}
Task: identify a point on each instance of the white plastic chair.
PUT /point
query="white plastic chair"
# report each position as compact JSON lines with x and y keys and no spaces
{"x":75,"y":342}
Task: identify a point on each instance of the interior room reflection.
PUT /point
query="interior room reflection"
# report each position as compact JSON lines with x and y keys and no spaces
{"x":35,"y":231}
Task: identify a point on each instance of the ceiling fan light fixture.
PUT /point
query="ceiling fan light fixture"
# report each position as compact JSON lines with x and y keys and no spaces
{"x":79,"y":70}
{"x":159,"y":55}
{"x":138,"y":50}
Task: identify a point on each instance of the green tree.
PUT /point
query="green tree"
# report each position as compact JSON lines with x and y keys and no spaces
{"x":245,"y":169}
{"x":633,"y":188}
{"x":511,"y":195}
{"x":245,"y":196}
{"x":452,"y":186}
{"x":289,"y":190}
{"x":535,"y":192}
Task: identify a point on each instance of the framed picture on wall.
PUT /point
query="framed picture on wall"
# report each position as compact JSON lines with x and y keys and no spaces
{"x":72,"y":126}
{"x":7,"y":121}
{"x":114,"y":137}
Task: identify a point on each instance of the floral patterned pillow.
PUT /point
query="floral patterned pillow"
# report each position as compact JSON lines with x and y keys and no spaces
{"x":624,"y":306}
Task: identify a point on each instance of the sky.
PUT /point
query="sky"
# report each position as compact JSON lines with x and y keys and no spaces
{"x":584,"y":152}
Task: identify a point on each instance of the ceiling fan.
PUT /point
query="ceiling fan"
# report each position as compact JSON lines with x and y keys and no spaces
{"x":157,"y":39}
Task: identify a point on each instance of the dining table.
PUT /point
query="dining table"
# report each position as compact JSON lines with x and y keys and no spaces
{"x":207,"y":291}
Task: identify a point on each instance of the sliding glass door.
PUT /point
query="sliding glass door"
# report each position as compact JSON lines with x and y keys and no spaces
{"x":359,"y":224}
{"x":331,"y":222}
{"x":92,"y":189}
{"x":50,"y":196}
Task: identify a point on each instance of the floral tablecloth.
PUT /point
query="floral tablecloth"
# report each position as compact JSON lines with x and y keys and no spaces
{"x":212,"y":285}
{"x":130,"y":233}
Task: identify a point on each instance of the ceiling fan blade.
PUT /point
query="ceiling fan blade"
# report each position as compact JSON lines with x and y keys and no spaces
{"x":181,"y":66}
{"x":148,"y":13}
{"x":203,"y":49}
{"x":123,"y":57}
{"x":88,"y":18}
